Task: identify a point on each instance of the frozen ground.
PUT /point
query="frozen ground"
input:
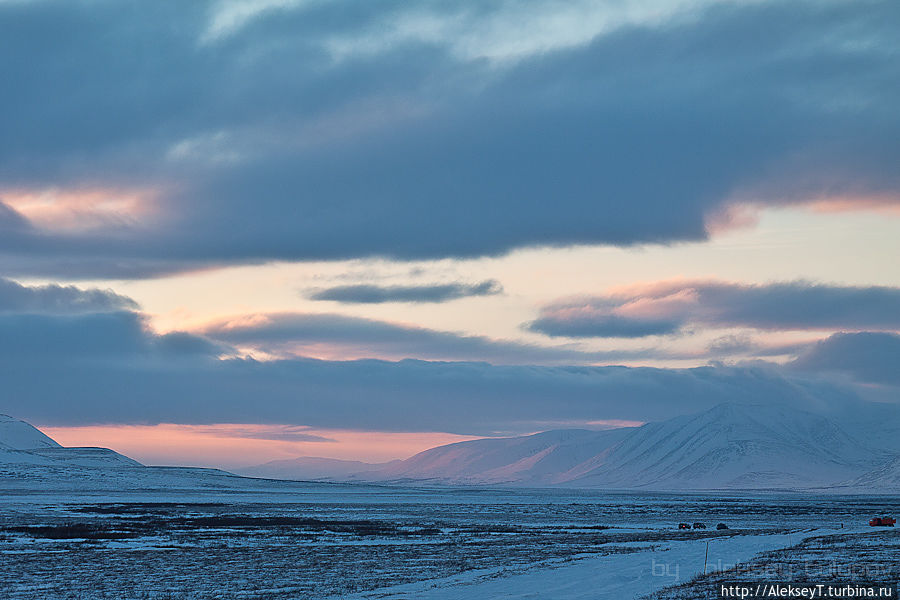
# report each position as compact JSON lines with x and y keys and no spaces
{"x":868,"y":555}
{"x":255,"y":539}
{"x":591,"y":577}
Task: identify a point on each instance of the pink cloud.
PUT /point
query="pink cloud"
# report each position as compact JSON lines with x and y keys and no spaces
{"x":82,"y":209}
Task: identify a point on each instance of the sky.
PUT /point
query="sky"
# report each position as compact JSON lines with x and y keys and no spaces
{"x":234,"y":231}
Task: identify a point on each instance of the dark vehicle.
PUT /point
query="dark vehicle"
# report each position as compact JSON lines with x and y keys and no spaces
{"x":684,"y":526}
{"x":883,"y":522}
{"x":721,"y":526}
{"x":699,"y":525}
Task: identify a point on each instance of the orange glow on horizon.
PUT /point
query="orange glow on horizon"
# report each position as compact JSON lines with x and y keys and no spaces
{"x":241,"y":445}
{"x":884,"y":204}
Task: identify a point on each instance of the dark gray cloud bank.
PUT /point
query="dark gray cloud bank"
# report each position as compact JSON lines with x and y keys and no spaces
{"x":377,"y":294}
{"x":65,"y":368}
{"x":267,"y":143}
{"x":865,"y":356}
{"x":669,"y":307}
{"x":292,"y":334}
{"x":52,"y":298}
{"x":108,"y":369}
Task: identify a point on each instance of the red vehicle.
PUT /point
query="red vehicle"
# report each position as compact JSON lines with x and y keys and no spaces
{"x":883,"y":522}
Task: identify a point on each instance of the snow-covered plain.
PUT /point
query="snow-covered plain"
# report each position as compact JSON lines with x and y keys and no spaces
{"x":314,"y":540}
{"x":85,"y":523}
{"x":627,"y":575}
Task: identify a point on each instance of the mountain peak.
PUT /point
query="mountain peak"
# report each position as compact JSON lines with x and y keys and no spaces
{"x":19,"y":435}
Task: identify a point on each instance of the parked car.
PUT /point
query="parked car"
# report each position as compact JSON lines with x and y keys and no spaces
{"x":684,"y":526}
{"x":699,"y":525}
{"x":721,"y":526}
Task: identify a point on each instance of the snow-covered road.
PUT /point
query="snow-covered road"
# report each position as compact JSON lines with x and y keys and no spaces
{"x":613,"y":577}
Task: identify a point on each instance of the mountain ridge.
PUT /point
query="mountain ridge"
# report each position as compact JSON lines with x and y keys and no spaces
{"x":730,"y":446}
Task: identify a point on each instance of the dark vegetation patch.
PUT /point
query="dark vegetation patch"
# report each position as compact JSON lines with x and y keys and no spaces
{"x":142,"y":508}
{"x":72,"y":531}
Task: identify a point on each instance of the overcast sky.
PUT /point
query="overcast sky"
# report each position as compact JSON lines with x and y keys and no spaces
{"x":240,"y":230}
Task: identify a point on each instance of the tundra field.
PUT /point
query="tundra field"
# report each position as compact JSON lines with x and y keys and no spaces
{"x":342,"y":541}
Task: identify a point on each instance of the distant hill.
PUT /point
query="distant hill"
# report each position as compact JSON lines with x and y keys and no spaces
{"x":308,"y":468}
{"x":539,"y":459}
{"x":22,"y":443}
{"x":885,"y":478}
{"x":19,"y":435}
{"x":734,"y":446}
{"x":33,"y":466}
{"x":731,"y":446}
{"x":31,"y":462}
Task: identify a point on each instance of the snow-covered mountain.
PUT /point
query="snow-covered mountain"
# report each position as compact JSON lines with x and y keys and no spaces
{"x":19,"y":435}
{"x":539,"y":459}
{"x":734,"y":446}
{"x":24,"y":444}
{"x":33,"y":466}
{"x":885,"y":478}
{"x":731,"y":446}
{"x":32,"y":463}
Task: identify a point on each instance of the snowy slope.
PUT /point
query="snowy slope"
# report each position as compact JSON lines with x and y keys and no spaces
{"x":48,"y":472}
{"x":729,"y":446}
{"x":23,"y":444}
{"x":19,"y":435}
{"x":535,"y":459}
{"x":884,"y":478}
{"x":87,"y":457}
{"x":734,"y":446}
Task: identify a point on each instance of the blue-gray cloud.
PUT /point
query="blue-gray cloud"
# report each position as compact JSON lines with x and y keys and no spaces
{"x":58,"y":299}
{"x":376,"y":294}
{"x":470,"y":398}
{"x":668,"y":307}
{"x":559,"y":321}
{"x":302,"y":334}
{"x":109,"y":368}
{"x":113,"y":336}
{"x":269,"y":142}
{"x":866,"y":356}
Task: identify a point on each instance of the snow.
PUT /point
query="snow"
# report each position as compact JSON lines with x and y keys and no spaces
{"x":23,"y":448}
{"x":307,"y":468}
{"x":19,"y":435}
{"x":734,"y":446}
{"x":614,"y":577}
{"x":885,"y":478}
{"x":535,"y":459}
{"x":730,"y":446}
{"x":453,"y":543}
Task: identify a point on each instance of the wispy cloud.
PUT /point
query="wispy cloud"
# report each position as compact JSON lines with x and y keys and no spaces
{"x":668,"y":307}
{"x":375,"y":294}
{"x":285,"y":433}
{"x":334,"y":336}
